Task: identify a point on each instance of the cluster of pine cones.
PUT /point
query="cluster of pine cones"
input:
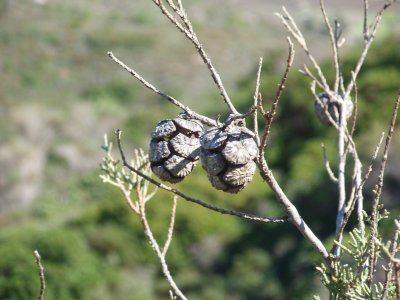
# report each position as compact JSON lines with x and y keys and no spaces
{"x":227,"y":153}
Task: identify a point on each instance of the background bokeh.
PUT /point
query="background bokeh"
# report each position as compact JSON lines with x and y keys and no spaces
{"x":60,"y":93}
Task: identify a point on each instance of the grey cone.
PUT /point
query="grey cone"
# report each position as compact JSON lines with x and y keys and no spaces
{"x":175,"y":148}
{"x":227,"y":155}
{"x":332,"y":108}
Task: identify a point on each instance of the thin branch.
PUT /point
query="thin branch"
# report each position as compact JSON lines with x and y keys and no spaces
{"x":365,"y":24}
{"x":154,"y":245}
{"x":269,"y":116}
{"x":369,"y":37}
{"x":378,"y":191}
{"x":388,"y":253}
{"x":41,"y":275}
{"x":256,"y":101}
{"x":294,"y":216}
{"x":172,"y":100}
{"x":358,"y":196}
{"x":341,"y":172}
{"x":397,"y":279}
{"x":327,"y":165}
{"x":351,"y":204}
{"x":392,"y":265}
{"x":127,"y":195}
{"x":334,"y":44}
{"x":251,"y":112}
{"x":170,"y":227}
{"x":291,"y":26}
{"x":171,"y":295}
{"x":306,"y":71}
{"x":191,"y":35}
{"x":192,"y":199}
{"x":355,"y":113}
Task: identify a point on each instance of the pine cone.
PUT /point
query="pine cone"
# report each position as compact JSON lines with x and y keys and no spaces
{"x":333,"y":109}
{"x":175,"y":148}
{"x":227,"y":155}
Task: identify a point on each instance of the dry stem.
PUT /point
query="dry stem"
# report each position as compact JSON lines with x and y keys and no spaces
{"x":378,"y":191}
{"x":327,"y":165}
{"x":369,"y":36}
{"x":341,"y":173}
{"x":294,"y":216}
{"x":190,"y":34}
{"x":291,"y":26}
{"x":172,"y":100}
{"x":154,"y":245}
{"x":270,"y":115}
{"x":170,"y":227}
{"x":256,"y":99}
{"x":192,"y":199}
{"x":41,"y":275}
{"x":351,"y":203}
{"x":335,"y":48}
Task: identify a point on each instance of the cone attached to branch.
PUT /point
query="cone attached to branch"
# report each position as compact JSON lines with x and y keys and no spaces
{"x":227,"y":155}
{"x":326,"y":103}
{"x":175,"y":148}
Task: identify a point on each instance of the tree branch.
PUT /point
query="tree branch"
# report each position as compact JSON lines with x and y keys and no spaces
{"x":41,"y":275}
{"x":378,"y":190}
{"x":294,"y":216}
{"x":192,"y":199}
{"x":334,"y":44}
{"x":191,"y":35}
{"x":170,"y":227}
{"x":172,"y":100}
{"x":369,"y":37}
{"x":256,"y":99}
{"x":269,"y":116}
{"x":154,"y":245}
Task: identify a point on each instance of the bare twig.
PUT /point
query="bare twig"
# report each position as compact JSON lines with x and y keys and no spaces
{"x":291,"y":26}
{"x":192,"y":199}
{"x":306,"y":71}
{"x":269,"y":116}
{"x":171,"y":295}
{"x":341,"y":172}
{"x":365,"y":24}
{"x":127,"y":195}
{"x":170,"y":227}
{"x":355,"y":112}
{"x":256,"y":101}
{"x":188,"y":31}
{"x":41,"y":275}
{"x":391,"y":265}
{"x":358,"y":195}
{"x":369,"y":36}
{"x":378,"y":191}
{"x":351,"y":204}
{"x":334,"y":44}
{"x":154,"y":245}
{"x":251,"y":112}
{"x":397,"y":279}
{"x":327,"y":165}
{"x":175,"y":102}
{"x":294,"y":216}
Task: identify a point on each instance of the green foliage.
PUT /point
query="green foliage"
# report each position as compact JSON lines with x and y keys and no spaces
{"x":350,"y":279}
{"x":72,"y":269}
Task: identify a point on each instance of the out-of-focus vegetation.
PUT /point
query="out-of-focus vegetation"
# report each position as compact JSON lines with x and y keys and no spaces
{"x":91,"y":246}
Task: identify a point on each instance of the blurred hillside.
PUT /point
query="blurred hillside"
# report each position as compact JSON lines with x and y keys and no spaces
{"x":59,"y":94}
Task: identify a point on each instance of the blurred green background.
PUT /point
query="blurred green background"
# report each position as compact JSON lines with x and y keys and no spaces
{"x":60,"y":93}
